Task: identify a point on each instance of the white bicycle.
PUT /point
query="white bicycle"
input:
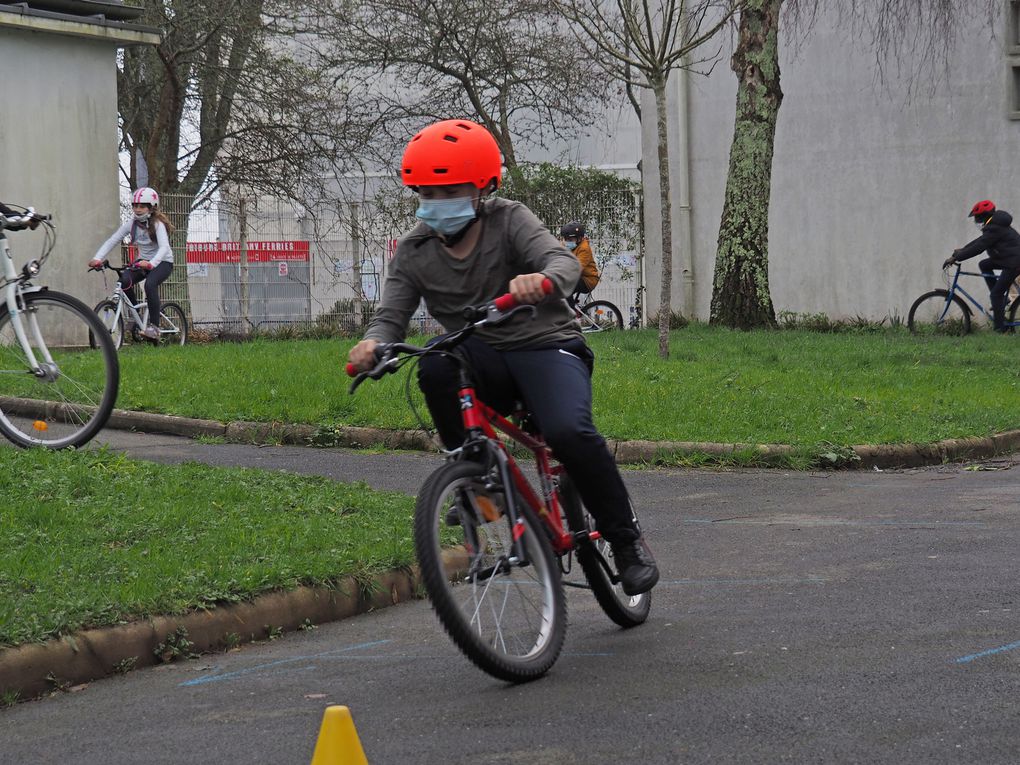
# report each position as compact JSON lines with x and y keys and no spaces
{"x":118,"y":313}
{"x":59,"y":372}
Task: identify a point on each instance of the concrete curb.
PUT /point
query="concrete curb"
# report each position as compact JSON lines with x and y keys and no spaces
{"x":34,"y":669}
{"x":37,"y":668}
{"x":628,"y":452}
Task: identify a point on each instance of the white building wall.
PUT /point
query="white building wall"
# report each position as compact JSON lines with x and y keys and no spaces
{"x":58,"y":146}
{"x":870,"y":188}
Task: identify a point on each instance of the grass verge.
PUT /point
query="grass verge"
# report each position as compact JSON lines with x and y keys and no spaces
{"x":796,"y":387}
{"x":90,"y":539}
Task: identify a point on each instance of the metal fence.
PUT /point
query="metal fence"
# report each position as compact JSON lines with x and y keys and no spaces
{"x":263,"y":265}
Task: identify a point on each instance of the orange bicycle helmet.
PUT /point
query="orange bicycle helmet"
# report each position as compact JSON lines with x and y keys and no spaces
{"x":982,"y":208}
{"x":451,"y":151}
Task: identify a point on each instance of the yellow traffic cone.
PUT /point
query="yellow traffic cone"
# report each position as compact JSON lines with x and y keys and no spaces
{"x":338,"y":742}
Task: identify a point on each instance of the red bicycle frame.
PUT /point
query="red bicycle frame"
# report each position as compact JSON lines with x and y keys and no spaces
{"x":480,"y":417}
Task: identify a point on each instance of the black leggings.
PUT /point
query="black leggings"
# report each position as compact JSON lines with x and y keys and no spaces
{"x":152,"y":280}
{"x":998,"y":288}
{"x":555,"y":385}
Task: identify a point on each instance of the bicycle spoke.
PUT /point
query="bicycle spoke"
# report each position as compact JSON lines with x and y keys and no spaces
{"x":508,"y":617}
{"x":68,"y":404}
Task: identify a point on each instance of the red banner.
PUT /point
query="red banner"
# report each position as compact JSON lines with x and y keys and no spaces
{"x":258,"y":252}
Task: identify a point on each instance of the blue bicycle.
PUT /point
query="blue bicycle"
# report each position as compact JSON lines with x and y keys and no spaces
{"x":944,"y":312}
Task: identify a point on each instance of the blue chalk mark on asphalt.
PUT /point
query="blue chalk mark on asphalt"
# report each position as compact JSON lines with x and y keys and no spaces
{"x":274,"y":664}
{"x":990,"y":652}
{"x":830,"y":522}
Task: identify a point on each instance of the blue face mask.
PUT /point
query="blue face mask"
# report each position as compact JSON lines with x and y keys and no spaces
{"x":570,"y":245}
{"x":446,"y":216}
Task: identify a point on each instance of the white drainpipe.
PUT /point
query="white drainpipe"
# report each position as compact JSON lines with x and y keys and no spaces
{"x":683,"y":233}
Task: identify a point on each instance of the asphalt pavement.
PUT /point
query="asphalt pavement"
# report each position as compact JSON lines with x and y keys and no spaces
{"x":857,"y":616}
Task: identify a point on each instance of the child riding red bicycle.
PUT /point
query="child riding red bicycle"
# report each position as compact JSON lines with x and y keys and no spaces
{"x":467,"y":250}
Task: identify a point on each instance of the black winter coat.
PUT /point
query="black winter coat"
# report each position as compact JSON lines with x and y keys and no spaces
{"x":999,"y":239}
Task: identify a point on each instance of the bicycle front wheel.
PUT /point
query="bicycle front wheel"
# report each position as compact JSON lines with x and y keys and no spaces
{"x":501,"y":601}
{"x":107,"y":313}
{"x":70,"y":396}
{"x":173,"y":325}
{"x":600,"y":316}
{"x":936,"y":313}
{"x":595,"y":558}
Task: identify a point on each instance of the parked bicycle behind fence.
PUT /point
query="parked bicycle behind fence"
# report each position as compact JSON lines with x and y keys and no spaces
{"x":59,"y":371}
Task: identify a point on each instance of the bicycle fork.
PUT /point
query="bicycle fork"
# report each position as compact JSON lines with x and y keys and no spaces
{"x":16,"y":308}
{"x":476,"y":434}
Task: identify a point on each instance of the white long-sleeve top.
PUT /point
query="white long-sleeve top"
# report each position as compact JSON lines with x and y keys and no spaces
{"x":154,"y":252}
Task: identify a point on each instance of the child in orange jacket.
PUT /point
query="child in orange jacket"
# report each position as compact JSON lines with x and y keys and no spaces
{"x":575,"y":240}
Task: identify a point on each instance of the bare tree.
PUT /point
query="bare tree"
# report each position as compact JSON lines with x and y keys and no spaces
{"x":912,"y":41}
{"x":236,"y":94}
{"x":640,"y":42}
{"x":510,"y":64}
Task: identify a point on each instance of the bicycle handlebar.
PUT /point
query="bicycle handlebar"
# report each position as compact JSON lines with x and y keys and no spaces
{"x":488,"y":314}
{"x":15,"y":222}
{"x":106,"y":264}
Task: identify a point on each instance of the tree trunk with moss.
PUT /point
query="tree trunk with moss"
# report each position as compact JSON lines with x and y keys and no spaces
{"x":740,"y":291}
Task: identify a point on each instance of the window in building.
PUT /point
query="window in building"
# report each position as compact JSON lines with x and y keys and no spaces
{"x":1014,"y":89}
{"x":1013,"y":26}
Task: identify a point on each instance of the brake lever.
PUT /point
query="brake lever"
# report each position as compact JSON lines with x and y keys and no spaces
{"x":494,"y":317}
{"x":356,"y":382}
{"x":386,"y":365}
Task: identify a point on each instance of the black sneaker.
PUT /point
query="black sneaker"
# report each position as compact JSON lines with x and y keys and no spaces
{"x":634,"y":562}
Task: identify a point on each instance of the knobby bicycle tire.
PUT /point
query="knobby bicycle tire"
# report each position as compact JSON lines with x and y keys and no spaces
{"x":72,"y":401}
{"x":106,"y":310}
{"x":508,"y":619}
{"x":594,"y":556}
{"x":935,"y":314}
{"x":173,"y":325}
{"x":600,"y":316}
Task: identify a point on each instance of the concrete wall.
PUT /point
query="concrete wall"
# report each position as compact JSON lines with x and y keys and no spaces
{"x":58,"y":147}
{"x":871,"y":186}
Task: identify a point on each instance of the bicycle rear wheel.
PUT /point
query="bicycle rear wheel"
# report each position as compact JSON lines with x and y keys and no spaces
{"x":594,"y":557}
{"x":107,"y":313}
{"x":173,"y":325}
{"x":600,"y":316}
{"x":502,"y":604}
{"x":71,"y":397}
{"x":934,"y":313}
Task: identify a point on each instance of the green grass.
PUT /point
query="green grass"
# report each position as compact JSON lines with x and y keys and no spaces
{"x":795,"y":386}
{"x":93,"y":538}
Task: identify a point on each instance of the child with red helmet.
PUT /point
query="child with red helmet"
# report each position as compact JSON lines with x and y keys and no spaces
{"x":1002,"y":243}
{"x":467,"y":250}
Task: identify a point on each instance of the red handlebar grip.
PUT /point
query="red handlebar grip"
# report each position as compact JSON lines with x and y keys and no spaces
{"x":352,"y":371}
{"x":508,"y":301}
